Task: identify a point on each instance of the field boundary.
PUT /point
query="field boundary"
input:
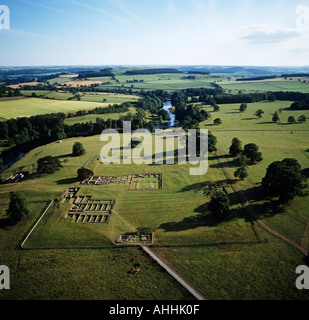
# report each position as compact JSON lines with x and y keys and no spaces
{"x":173,"y":273}
{"x":163,"y":245}
{"x":254,"y":217}
{"x":42,"y":215}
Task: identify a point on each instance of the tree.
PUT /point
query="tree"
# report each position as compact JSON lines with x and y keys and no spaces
{"x":284,"y":179}
{"x":83,"y":174}
{"x":272,"y":98}
{"x":212,"y":142}
{"x":291,"y":120}
{"x":241,"y":161}
{"x":217,"y":121}
{"x":259,"y":113}
{"x":302,"y":118}
{"x":243,"y":107}
{"x":48,"y":165}
{"x":276,"y":117}
{"x":78,"y":149}
{"x":1,"y":165}
{"x":251,"y":151}
{"x":241,"y":173}
{"x":216,"y":108}
{"x":18,"y":207}
{"x":219,"y":205}
{"x":235,"y":148}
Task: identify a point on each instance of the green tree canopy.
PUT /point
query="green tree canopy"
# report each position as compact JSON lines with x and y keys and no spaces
{"x":84,"y":173}
{"x":236,"y":148}
{"x":276,"y":117}
{"x":251,"y":151}
{"x":78,"y":149}
{"x":302,"y":118}
{"x":241,"y":161}
{"x":48,"y":164}
{"x":241,"y":173}
{"x":18,"y":207}
{"x":217,"y":121}
{"x":243,"y":107}
{"x":259,"y":113}
{"x":219,"y":205}
{"x":291,"y":120}
{"x":284,"y":179}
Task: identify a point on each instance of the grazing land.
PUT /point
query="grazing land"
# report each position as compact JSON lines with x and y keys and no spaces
{"x":35,"y":106}
{"x":230,"y":259}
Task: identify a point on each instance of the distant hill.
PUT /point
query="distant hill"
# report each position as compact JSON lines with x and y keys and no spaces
{"x":152,"y":71}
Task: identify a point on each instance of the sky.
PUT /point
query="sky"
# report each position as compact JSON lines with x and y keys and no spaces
{"x":155,"y":32}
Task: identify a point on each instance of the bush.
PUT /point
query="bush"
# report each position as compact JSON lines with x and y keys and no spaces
{"x":78,"y":149}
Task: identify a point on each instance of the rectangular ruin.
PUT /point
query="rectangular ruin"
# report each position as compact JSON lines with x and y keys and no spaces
{"x":86,"y":210}
{"x":137,"y":182}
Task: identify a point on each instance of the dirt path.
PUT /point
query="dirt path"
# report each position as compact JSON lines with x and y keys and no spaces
{"x":254,"y":216}
{"x":178,"y":278}
{"x":305,"y":240}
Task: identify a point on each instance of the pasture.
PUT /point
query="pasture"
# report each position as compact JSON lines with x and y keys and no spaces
{"x":270,"y":85}
{"x":175,"y":215}
{"x":14,"y":108}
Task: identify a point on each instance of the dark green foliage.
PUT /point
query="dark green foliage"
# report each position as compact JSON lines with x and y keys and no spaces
{"x":18,"y":207}
{"x":84,"y":173}
{"x":212,"y":142}
{"x":219,"y":205}
{"x":276,"y":117}
{"x":78,"y":149}
{"x":243,"y":107}
{"x":284,"y":179}
{"x":251,"y":151}
{"x":291,"y":120}
{"x":259,"y":113}
{"x":241,"y":161}
{"x":241,"y":173}
{"x":302,"y":118}
{"x":216,"y":108}
{"x":218,"y":121}
{"x":236,"y":148}
{"x":48,"y":165}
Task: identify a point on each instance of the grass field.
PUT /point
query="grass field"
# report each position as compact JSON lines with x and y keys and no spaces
{"x":93,"y":117}
{"x":26,"y":107}
{"x":272,"y":85}
{"x":176,"y":214}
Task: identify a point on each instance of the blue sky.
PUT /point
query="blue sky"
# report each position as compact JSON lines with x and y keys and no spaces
{"x":156,"y":32}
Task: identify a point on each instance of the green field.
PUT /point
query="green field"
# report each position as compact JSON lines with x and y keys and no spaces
{"x":93,"y":117}
{"x":262,"y":86}
{"x":35,"y":106}
{"x":254,"y":265}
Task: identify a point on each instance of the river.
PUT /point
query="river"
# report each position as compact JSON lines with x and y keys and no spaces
{"x":167,"y":106}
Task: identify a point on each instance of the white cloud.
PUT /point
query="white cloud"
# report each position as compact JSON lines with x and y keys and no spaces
{"x":259,"y":34}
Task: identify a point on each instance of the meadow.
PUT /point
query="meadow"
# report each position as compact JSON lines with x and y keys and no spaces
{"x":271,"y":85}
{"x":176,"y":215}
{"x":26,"y":107}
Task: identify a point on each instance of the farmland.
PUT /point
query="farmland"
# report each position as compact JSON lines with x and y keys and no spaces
{"x":230,"y":259}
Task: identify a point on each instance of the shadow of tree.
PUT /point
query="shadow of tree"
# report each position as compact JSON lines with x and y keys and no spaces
{"x":306,"y":172}
{"x":196,"y":187}
{"x":67,"y":181}
{"x":230,"y":164}
{"x":5,"y":222}
{"x":69,"y":155}
{"x":200,"y":220}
